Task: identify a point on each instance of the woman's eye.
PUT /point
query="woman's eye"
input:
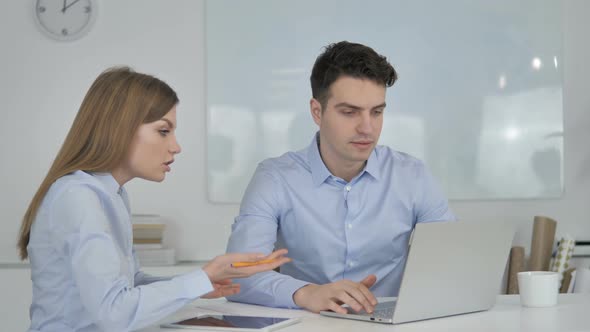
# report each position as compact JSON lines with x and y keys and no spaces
{"x":164,"y":132}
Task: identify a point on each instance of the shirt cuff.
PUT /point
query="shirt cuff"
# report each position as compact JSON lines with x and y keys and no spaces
{"x":285,"y":293}
{"x":195,"y":283}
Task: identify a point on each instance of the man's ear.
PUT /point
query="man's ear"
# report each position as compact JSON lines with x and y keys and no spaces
{"x":316,"y":110}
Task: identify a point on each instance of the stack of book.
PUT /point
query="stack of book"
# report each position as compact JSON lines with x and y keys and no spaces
{"x":148,"y":235}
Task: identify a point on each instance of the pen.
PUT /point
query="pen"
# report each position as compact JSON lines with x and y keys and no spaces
{"x":244,"y":264}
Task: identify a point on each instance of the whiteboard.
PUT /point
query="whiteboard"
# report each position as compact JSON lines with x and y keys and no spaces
{"x":479,"y":95}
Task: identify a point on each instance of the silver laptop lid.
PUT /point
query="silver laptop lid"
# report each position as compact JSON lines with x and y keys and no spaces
{"x":453,"y":268}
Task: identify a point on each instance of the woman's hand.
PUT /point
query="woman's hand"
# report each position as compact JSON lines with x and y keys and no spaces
{"x":220,"y":268}
{"x":222,"y":288}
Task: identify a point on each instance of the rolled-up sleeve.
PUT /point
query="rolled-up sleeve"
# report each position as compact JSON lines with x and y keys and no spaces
{"x":430,"y":204}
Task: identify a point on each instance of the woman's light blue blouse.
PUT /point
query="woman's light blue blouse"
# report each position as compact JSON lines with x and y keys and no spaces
{"x":84,"y":272}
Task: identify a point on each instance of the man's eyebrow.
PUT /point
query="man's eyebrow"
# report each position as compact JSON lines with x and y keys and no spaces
{"x":380,"y":106}
{"x":347,"y":105}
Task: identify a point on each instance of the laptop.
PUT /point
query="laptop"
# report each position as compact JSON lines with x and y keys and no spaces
{"x":452,"y":268}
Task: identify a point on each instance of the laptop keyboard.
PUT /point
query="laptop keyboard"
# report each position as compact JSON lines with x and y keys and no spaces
{"x":382,"y":310}
{"x":385,"y":313}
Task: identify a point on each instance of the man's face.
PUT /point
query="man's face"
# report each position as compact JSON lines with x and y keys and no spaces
{"x":350,"y":123}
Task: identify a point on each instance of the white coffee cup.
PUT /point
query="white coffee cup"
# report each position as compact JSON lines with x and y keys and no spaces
{"x":538,"y":288}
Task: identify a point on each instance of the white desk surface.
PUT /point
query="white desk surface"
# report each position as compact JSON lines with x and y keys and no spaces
{"x":572,"y":314}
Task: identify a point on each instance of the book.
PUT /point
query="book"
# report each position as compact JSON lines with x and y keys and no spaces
{"x":147,"y":228}
{"x":144,"y":246}
{"x":567,"y":280}
{"x":148,"y":235}
{"x":139,"y":239}
{"x":563,"y":254}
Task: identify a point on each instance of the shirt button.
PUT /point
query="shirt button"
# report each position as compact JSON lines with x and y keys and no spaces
{"x":348,"y":188}
{"x":349,"y":226}
{"x":351,"y":264}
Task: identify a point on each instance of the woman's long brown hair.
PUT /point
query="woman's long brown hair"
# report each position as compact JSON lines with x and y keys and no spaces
{"x":117,"y":103}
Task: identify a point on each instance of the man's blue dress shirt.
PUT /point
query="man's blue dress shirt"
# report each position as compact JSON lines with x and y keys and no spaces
{"x":333,"y":229}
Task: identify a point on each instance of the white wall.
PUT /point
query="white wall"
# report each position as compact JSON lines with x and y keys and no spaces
{"x":43,"y":82}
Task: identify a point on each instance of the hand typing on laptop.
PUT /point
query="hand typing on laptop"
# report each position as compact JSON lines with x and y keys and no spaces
{"x":331,"y":296}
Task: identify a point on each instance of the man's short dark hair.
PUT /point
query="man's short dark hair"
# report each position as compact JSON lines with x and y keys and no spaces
{"x":348,"y":59}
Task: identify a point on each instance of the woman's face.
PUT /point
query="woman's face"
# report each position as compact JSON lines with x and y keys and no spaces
{"x":151,"y":152}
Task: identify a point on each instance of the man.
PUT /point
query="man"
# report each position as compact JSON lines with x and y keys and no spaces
{"x":343,"y":207}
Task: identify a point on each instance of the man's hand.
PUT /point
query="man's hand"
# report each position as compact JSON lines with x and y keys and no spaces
{"x":331,"y":296}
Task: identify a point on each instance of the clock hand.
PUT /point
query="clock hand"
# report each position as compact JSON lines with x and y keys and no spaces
{"x":70,"y":5}
{"x":63,"y":9}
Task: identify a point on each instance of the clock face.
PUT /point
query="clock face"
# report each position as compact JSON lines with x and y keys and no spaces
{"x":65,"y":19}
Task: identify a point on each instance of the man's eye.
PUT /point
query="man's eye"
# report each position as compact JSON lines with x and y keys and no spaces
{"x":378,"y":111}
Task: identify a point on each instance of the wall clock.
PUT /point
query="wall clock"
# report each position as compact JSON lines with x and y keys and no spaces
{"x":65,"y":20}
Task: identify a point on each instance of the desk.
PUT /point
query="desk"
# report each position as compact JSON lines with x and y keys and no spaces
{"x":572,"y":314}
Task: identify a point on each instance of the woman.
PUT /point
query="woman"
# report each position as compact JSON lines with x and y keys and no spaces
{"x":77,"y":230}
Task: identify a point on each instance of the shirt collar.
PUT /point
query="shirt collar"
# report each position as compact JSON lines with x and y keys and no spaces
{"x":319,"y":171}
{"x":109,"y":182}
{"x":372,"y":166}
